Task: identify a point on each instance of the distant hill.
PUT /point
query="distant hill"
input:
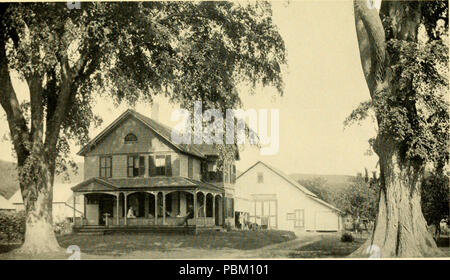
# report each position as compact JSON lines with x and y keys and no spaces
{"x":331,"y":182}
{"x":10,"y":183}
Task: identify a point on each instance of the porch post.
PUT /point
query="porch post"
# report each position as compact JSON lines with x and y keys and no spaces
{"x":204,"y":209}
{"x":214,"y":208}
{"x":164,"y":208}
{"x":125,"y":194}
{"x":156,"y":208}
{"x":84,"y":210}
{"x":74,"y":221}
{"x":195,"y":208}
{"x":146,"y":208}
{"x":117,"y":208}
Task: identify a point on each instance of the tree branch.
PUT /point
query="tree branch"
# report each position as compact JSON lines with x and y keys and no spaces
{"x":372,"y":44}
{"x":55,"y":121}
{"x":17,"y":124}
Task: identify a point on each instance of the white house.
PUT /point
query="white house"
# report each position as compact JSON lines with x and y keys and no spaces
{"x":274,"y":200}
{"x":62,"y":203}
{"x":5,"y":205}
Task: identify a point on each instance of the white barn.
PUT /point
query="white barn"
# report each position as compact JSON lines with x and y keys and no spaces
{"x":62,"y":203}
{"x":273,"y":199}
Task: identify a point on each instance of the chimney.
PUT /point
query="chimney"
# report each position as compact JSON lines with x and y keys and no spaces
{"x":155,"y":111}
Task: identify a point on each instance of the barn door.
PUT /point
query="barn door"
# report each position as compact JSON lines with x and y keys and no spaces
{"x":264,"y":213}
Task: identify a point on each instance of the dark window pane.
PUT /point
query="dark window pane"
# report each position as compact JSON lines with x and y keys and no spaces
{"x":130,"y":137}
{"x":141,"y":166}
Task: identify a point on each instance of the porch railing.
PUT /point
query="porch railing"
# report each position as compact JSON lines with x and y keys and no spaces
{"x":169,"y":221}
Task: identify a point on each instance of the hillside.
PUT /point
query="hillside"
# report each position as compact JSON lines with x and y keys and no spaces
{"x":10,"y":184}
{"x":331,"y":182}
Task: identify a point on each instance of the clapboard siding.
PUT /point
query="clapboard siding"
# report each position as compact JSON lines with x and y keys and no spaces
{"x":289,"y":198}
{"x":147,"y":140}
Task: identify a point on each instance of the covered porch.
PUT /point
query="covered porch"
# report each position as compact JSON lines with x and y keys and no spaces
{"x":150,"y":206}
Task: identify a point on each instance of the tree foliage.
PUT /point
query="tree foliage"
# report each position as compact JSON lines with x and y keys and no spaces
{"x":416,"y":111}
{"x":130,"y":52}
{"x":187,"y":51}
{"x":360,"y":199}
{"x":435,"y":197}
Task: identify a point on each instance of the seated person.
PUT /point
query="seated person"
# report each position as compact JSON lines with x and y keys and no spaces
{"x":130,"y":213}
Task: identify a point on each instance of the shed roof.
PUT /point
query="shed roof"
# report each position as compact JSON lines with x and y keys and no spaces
{"x":5,"y":204}
{"x":61,"y":193}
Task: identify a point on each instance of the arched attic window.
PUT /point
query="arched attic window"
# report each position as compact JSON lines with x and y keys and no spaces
{"x":130,"y":138}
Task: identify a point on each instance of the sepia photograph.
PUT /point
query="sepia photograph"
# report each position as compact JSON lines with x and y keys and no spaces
{"x":224,"y":130}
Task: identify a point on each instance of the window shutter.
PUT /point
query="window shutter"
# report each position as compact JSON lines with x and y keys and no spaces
{"x":141,"y":166}
{"x":168,"y":165}
{"x":234,"y":174}
{"x":190,"y":167}
{"x":130,"y":166}
{"x":151,"y":166}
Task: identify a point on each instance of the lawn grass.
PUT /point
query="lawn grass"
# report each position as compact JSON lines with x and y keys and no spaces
{"x":124,"y":243}
{"x":330,"y":246}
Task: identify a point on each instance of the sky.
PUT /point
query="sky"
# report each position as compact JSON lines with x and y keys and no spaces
{"x":323,"y":84}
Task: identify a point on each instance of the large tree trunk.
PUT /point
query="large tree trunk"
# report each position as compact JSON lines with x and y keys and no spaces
{"x":37,"y":193}
{"x":400,"y":229}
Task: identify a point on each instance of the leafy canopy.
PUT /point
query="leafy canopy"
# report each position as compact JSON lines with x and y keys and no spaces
{"x":133,"y":51}
{"x":415,"y":112}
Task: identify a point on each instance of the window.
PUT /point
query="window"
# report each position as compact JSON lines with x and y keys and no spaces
{"x":212,"y":171}
{"x":106,"y":167}
{"x":260,"y":178}
{"x":190,"y":167}
{"x":212,"y":166}
{"x":299,"y":218}
{"x":135,"y":166}
{"x":130,"y":138}
{"x":160,"y":165}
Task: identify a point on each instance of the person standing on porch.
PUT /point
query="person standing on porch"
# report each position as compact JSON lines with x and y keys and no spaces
{"x":190,"y":215}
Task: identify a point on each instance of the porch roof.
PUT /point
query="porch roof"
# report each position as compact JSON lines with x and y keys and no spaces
{"x":96,"y":184}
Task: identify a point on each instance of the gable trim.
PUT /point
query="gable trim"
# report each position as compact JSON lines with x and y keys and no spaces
{"x":118,"y":121}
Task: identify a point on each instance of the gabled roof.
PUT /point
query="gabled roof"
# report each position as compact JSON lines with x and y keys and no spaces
{"x":292,"y":182}
{"x":163,"y":131}
{"x":124,"y":184}
{"x":5,"y":204}
{"x":94,"y":184}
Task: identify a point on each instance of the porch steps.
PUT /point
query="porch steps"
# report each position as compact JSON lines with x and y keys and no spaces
{"x":89,"y":230}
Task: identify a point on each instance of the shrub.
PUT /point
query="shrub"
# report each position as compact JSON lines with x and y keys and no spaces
{"x":12,"y":226}
{"x":61,"y":228}
{"x":347,"y":237}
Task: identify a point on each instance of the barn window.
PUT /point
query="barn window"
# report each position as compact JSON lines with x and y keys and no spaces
{"x":299,"y":218}
{"x":260,"y":177}
{"x":130,"y":138}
